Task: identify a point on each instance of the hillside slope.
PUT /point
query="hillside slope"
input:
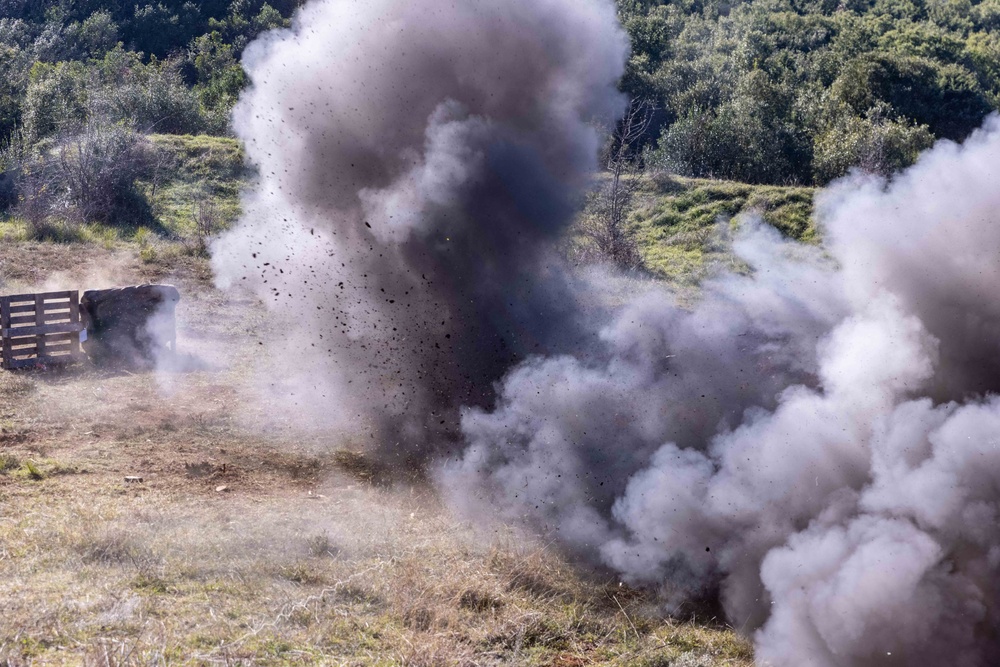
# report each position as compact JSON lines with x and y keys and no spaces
{"x":683,"y":226}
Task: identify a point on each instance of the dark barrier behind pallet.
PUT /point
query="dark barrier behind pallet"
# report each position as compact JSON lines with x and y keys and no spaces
{"x":40,"y":328}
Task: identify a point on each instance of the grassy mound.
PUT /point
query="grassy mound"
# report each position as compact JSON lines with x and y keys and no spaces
{"x":683,"y":224}
{"x":192,"y":171}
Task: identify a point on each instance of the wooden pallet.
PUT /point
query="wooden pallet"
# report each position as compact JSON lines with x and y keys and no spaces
{"x":40,"y":329}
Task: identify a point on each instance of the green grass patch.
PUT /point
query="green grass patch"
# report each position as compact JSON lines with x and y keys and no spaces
{"x":191,"y":170}
{"x":684,"y":224}
{"x":30,"y":470}
{"x":688,"y":204}
{"x":35,"y":470}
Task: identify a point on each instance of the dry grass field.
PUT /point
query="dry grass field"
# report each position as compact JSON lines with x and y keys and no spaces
{"x":249,"y":542}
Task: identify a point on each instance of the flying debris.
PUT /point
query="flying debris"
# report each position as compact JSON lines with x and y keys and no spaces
{"x":811,"y":445}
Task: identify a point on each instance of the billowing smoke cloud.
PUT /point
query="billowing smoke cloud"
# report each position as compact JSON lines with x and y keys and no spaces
{"x":818,"y":442}
{"x":813,"y":444}
{"x":419,"y":161}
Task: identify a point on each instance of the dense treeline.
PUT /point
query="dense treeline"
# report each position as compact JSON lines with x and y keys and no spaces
{"x":169,"y":66}
{"x":760,"y":91}
{"x":800,"y":91}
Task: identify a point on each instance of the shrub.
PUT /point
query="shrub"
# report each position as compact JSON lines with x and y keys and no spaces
{"x":97,"y":168}
{"x":747,"y":138}
{"x":607,"y":227}
{"x":153,"y":97}
{"x":119,"y":87}
{"x":872,"y":143}
{"x":83,"y":176}
{"x":95,"y":36}
{"x":220,"y":78}
{"x":946,"y":98}
{"x":207,"y":223}
{"x":55,"y":98}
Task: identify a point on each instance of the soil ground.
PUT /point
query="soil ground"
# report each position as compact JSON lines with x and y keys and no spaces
{"x":250,"y":542}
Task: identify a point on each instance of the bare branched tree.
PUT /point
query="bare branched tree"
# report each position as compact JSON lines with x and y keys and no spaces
{"x":207,"y":223}
{"x":85,"y":174}
{"x":607,"y":227}
{"x":97,"y":166}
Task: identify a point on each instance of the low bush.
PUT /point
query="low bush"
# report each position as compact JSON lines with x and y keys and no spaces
{"x":85,"y":175}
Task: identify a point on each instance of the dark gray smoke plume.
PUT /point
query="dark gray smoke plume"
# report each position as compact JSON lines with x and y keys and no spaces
{"x":419,"y":159}
{"x":814,"y":444}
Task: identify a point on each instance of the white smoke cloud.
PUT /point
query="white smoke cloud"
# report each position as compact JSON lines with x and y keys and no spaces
{"x":817,"y":441}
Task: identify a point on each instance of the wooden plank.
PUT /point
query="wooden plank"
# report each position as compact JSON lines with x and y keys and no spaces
{"x":30,"y":298}
{"x":22,"y":335}
{"x":40,"y":322}
{"x":52,"y":296}
{"x":53,"y":339}
{"x":56,"y":338}
{"x":64,"y":313}
{"x":49,"y":308}
{"x":59,"y":346}
{"x":63,"y":353}
{"x":28,"y":363}
{"x":20,"y":298}
{"x":50,"y":351}
{"x":67,"y":327}
{"x":5,"y":356}
{"x":31,"y":352}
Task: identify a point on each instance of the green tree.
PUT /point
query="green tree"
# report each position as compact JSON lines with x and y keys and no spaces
{"x":873,"y":143}
{"x":55,"y":96}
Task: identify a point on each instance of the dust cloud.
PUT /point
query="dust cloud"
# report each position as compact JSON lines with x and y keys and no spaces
{"x":812,"y":444}
{"x":419,"y":163}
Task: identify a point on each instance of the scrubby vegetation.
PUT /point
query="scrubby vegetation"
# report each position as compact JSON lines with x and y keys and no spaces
{"x":758,"y":91}
{"x":682,"y":226}
{"x":166,"y":66}
{"x":758,"y":101}
{"x":800,"y":91}
{"x":116,"y":114}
